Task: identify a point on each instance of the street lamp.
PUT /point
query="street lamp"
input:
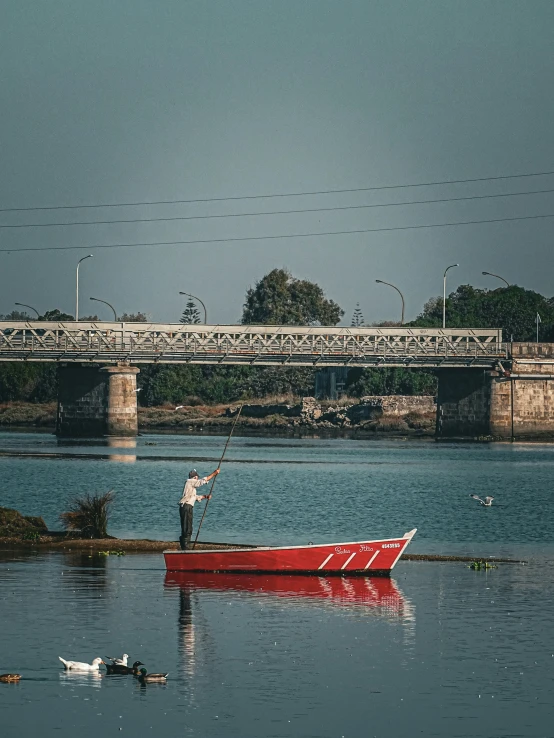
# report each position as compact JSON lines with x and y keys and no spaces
{"x":96,"y":299}
{"x":22,"y":304}
{"x":187,"y":294}
{"x":444,"y":294}
{"x":380,"y":281}
{"x":77,"y":286}
{"x":490,"y":274}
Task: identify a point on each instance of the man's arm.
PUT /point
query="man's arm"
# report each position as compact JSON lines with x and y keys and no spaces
{"x":211,"y":476}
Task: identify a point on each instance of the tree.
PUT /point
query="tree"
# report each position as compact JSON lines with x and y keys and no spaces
{"x":513,"y":309}
{"x":281,"y":299}
{"x":134,"y":318}
{"x":16,"y":315}
{"x":357,"y":317}
{"x":190,"y":313}
{"x":56,"y":316}
{"x":390,"y":381}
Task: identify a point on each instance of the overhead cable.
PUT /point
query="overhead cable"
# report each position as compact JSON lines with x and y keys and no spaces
{"x":276,"y":237}
{"x":275,"y":212}
{"x":280,"y":194}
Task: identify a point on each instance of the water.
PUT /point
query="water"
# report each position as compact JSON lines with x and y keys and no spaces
{"x":440,"y":650}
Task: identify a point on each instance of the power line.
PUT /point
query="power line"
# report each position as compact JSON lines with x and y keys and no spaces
{"x":282,"y":194}
{"x":276,"y":237}
{"x":275,"y":212}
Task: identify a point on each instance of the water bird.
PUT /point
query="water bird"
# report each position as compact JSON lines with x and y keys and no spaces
{"x":81,"y":665}
{"x":487,"y":502}
{"x":121,"y":669}
{"x":146,"y":678}
{"x":10,"y":677}
{"x":119,"y":662}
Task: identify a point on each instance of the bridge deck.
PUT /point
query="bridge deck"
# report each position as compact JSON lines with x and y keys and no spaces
{"x":140,"y":343}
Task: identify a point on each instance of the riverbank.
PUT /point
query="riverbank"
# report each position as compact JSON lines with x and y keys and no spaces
{"x":369,"y":416}
{"x":121,"y":546}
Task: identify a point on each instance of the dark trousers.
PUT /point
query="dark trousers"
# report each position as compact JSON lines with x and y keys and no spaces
{"x":186,"y":514}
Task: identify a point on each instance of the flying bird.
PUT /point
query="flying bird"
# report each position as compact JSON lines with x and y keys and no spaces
{"x":487,"y":502}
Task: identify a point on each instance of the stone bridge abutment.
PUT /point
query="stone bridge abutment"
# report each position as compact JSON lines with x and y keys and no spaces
{"x":513,"y":401}
{"x":97,"y":400}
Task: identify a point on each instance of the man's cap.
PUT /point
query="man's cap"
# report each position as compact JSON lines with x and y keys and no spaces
{"x":193,"y":473}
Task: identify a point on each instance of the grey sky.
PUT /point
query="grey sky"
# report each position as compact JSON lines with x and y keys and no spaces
{"x":132,"y":100}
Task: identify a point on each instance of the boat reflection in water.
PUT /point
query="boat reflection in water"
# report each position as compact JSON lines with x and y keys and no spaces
{"x":376,"y":595}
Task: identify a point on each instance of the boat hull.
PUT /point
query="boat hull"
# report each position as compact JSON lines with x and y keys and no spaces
{"x":361,"y":558}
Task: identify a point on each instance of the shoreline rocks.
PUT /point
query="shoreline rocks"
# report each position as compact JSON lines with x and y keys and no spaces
{"x":393,"y":414}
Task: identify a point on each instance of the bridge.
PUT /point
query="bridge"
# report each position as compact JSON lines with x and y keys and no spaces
{"x":154,"y":343}
{"x":486,"y":387}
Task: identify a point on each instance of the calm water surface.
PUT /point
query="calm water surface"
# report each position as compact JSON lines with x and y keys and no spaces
{"x":440,"y":650}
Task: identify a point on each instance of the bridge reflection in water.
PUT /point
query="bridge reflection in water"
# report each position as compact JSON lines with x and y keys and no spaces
{"x":118,"y":442}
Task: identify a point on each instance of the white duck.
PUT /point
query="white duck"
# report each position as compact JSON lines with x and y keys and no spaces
{"x":81,"y":665}
{"x":119,"y":662}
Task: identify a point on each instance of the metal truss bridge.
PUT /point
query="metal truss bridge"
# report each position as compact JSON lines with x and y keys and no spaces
{"x":151,"y":343}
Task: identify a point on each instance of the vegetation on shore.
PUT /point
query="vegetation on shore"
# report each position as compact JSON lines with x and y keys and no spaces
{"x":282,"y":414}
{"x":88,"y":515}
{"x":26,"y":527}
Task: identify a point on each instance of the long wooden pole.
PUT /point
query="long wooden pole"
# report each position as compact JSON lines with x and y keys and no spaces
{"x":213,"y":482}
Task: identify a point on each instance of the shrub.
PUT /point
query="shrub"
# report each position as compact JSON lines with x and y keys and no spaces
{"x":89,"y":515}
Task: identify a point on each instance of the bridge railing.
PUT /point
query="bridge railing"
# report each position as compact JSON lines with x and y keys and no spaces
{"x":237,"y":344}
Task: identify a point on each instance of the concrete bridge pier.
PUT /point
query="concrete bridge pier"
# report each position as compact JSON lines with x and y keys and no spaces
{"x":516,"y":401}
{"x":97,"y":401}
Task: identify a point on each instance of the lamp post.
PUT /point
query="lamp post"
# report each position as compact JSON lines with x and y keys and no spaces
{"x":96,"y":299}
{"x":22,"y":304}
{"x":77,"y":286}
{"x":380,"y":281}
{"x":444,"y":294}
{"x":490,"y":274}
{"x":187,"y":294}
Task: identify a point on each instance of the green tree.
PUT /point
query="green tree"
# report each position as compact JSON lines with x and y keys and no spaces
{"x":281,"y":299}
{"x":357,"y":317}
{"x":55,"y":316}
{"x":390,"y":381}
{"x":513,"y":309}
{"x":134,"y":317}
{"x":190,"y":313}
{"x":28,"y":382}
{"x":16,"y":315}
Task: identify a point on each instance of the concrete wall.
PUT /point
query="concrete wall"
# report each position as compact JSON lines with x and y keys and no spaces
{"x":97,"y":401}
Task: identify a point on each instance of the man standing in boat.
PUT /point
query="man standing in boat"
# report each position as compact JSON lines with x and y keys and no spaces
{"x":186,"y":504}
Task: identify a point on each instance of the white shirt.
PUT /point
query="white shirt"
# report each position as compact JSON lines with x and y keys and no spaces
{"x":189,"y":491}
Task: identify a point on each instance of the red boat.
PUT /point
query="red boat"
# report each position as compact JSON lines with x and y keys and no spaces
{"x":362,"y":558}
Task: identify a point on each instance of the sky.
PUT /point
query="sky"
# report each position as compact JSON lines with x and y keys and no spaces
{"x":139,"y":101}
